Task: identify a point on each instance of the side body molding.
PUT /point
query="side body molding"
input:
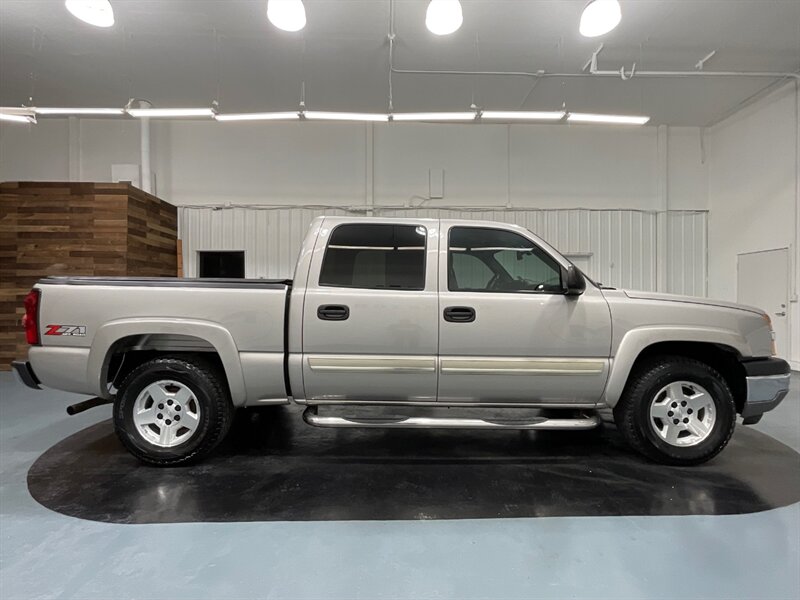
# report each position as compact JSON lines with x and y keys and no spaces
{"x":213,"y":333}
{"x":636,"y":340}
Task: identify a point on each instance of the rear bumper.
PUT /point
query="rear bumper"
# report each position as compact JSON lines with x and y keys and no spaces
{"x":25,"y":375}
{"x":767,"y":385}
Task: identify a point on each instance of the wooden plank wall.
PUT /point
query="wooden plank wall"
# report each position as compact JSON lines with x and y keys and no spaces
{"x":111,"y":229}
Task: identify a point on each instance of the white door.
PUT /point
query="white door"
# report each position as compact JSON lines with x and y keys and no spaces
{"x":763,"y":281}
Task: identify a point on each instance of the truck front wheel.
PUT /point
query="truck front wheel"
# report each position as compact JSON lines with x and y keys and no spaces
{"x":172,"y":410}
{"x":676,"y":410}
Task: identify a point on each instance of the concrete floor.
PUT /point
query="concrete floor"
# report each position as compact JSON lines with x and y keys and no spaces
{"x":44,"y":554}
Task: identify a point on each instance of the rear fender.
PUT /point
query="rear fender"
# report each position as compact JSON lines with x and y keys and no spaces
{"x":214,"y":334}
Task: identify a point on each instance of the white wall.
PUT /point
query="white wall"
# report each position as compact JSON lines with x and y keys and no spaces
{"x":754,"y":194}
{"x":35,"y":152}
{"x":619,"y":247}
{"x":542,"y":166}
{"x":313,"y":165}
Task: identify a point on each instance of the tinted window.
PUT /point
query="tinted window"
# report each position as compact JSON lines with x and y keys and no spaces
{"x":376,"y":257}
{"x":493,"y":260}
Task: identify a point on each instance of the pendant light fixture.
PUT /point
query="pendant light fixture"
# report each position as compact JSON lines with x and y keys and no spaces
{"x":94,"y":12}
{"x":288,"y":15}
{"x":444,"y":16}
{"x":599,"y":17}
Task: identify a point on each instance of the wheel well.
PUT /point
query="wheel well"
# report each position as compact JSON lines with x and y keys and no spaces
{"x":131,"y":351}
{"x":724,"y":359}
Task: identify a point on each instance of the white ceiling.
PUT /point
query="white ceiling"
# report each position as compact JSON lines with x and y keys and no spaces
{"x":192,"y":52}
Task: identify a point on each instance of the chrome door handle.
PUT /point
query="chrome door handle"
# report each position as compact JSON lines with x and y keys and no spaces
{"x":780,"y":314}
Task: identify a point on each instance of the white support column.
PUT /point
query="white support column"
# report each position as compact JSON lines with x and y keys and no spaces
{"x":794,"y":290}
{"x":147,"y":178}
{"x":74,"y":148}
{"x":662,"y":247}
{"x":369,"y":167}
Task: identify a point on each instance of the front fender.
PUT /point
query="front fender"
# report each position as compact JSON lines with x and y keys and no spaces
{"x":636,"y":340}
{"x":212,"y":333}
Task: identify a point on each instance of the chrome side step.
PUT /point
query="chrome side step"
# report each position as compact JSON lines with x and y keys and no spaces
{"x":312,"y":417}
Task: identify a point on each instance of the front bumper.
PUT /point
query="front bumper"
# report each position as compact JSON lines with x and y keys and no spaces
{"x":24,"y":373}
{"x":767,"y":384}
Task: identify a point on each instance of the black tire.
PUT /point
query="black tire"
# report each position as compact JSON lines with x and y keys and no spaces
{"x":210,"y":390}
{"x":632,"y":412}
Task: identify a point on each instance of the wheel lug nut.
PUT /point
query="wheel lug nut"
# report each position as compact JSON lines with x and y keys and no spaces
{"x":169,"y":402}
{"x":177,"y":417}
{"x":670,"y":413}
{"x":160,"y":416}
{"x":689,"y":411}
{"x":675,"y":421}
{"x":683,"y":403}
{"x":168,"y":422}
{"x":161,"y":407}
{"x":674,"y":405}
{"x":177,"y":407}
{"x":686,"y":420}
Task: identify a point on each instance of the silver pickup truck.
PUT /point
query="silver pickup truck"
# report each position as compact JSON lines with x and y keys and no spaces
{"x":413,"y":314}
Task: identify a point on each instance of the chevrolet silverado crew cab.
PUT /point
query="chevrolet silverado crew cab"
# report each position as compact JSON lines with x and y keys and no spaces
{"x":412,"y":314}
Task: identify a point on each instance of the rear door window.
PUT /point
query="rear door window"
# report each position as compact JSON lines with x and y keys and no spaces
{"x":375,"y":256}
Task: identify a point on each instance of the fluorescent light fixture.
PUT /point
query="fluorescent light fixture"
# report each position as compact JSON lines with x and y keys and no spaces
{"x":618,"y":119}
{"x":599,"y":17}
{"x":523,"y":115}
{"x":79,"y":111}
{"x":17,"y":117}
{"x":170,"y":112}
{"x":434,"y":116}
{"x":268,"y":116}
{"x":94,"y":12}
{"x":443,"y":17}
{"x":344,"y":116}
{"x":289,"y":15}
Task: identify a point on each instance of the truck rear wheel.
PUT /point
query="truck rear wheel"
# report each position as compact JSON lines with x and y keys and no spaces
{"x":172,"y":410}
{"x":676,"y":411}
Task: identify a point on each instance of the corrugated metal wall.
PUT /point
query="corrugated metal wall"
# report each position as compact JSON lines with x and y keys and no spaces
{"x":619,"y":247}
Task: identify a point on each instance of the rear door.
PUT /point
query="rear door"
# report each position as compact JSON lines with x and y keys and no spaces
{"x":370,"y":314}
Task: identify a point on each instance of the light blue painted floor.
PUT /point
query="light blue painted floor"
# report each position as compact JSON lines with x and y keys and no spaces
{"x":47,"y":555}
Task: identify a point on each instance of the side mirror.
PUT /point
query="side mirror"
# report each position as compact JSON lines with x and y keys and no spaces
{"x":574,"y":282}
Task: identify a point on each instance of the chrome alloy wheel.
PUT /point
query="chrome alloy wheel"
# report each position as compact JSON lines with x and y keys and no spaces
{"x":166,"y":413}
{"x":683,"y":414}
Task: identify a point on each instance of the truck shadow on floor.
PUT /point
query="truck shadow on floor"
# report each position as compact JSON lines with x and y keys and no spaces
{"x":273,"y":467}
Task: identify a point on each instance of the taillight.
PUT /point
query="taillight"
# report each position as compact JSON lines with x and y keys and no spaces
{"x":31,"y":319}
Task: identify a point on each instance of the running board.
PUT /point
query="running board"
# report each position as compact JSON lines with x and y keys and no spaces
{"x":312,"y":417}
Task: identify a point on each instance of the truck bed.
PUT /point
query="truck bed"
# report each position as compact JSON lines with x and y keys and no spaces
{"x":241,"y":320}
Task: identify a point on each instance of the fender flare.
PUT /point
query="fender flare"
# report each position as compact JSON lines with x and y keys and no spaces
{"x":635,"y":341}
{"x":212,"y":333}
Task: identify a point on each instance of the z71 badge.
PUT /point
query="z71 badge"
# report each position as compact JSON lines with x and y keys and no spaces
{"x":79,"y":330}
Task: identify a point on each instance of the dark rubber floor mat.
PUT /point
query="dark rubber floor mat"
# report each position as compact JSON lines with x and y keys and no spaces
{"x":274,"y":467}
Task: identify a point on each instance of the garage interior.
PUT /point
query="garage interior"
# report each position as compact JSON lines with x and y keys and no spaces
{"x":200,"y":139}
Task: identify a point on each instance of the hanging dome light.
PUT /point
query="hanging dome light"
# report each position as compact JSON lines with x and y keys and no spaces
{"x":599,"y":17}
{"x":444,"y":16}
{"x":289,"y":15}
{"x":94,"y":12}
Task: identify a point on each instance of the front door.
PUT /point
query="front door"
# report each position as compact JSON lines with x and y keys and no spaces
{"x":370,"y":319}
{"x":507,"y":331}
